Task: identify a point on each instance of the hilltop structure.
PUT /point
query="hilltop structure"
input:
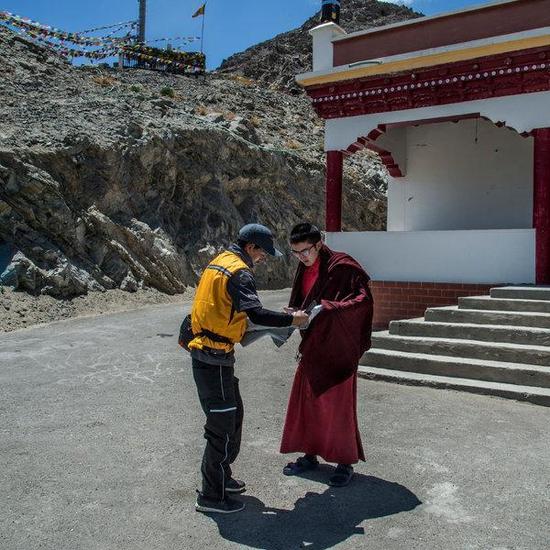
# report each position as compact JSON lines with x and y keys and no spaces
{"x":458,"y":108}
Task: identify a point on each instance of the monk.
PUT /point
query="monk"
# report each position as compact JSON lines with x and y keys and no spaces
{"x":321,"y":419}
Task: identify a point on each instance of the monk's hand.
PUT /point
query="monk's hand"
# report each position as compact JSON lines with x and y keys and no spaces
{"x":289,"y":309}
{"x":300,"y":319}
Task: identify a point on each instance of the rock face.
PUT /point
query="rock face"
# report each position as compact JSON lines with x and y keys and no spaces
{"x":124,"y":180}
{"x":276,"y":62}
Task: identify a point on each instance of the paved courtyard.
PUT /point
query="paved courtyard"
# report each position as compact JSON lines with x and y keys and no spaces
{"x":101,"y":440}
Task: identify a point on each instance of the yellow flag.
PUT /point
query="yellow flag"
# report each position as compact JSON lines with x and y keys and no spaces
{"x":200,"y":11}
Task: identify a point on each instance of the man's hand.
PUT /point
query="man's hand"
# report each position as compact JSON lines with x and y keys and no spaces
{"x":300,"y":319}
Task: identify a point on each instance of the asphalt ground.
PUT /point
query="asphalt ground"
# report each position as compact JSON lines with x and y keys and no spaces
{"x":101,"y":442}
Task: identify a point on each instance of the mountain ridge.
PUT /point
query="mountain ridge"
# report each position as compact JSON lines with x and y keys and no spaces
{"x":135,"y":179}
{"x":274,"y":63}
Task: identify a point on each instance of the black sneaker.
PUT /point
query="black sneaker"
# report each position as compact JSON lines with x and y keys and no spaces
{"x":235,"y":486}
{"x":226,"y":506}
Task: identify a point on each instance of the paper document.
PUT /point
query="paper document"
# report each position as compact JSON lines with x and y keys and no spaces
{"x":279,"y":335}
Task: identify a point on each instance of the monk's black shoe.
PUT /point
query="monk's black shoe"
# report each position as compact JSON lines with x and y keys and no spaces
{"x":235,"y":486}
{"x":302,"y":464}
{"x":342,"y":476}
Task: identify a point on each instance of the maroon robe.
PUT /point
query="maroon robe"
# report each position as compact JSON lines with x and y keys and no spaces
{"x":322,"y":411}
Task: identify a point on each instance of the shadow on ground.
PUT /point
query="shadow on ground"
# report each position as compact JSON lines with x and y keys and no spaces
{"x":318,"y":520}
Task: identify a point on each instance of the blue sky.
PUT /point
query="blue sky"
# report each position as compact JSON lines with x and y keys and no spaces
{"x":230,"y":25}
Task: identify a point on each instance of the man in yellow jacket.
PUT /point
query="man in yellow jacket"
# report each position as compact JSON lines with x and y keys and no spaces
{"x":226,"y":298}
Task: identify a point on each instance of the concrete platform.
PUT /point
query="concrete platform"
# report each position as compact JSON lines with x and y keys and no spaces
{"x":528,"y":394}
{"x":461,"y":367}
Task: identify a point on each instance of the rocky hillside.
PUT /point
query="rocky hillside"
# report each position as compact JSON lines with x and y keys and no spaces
{"x":276,"y":62}
{"x":134,"y":179}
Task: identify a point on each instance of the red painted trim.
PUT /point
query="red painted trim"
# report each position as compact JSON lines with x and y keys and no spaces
{"x":500,"y":75}
{"x":333,"y":190}
{"x":394,"y":300}
{"x":367,"y":142}
{"x":541,"y":203}
{"x":451,"y":28}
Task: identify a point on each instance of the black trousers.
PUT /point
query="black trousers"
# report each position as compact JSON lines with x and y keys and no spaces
{"x":219,"y":395}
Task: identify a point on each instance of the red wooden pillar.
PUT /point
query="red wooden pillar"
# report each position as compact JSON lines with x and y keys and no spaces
{"x":333,"y":191}
{"x":541,"y":204}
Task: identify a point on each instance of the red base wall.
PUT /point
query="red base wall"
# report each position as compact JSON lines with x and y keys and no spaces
{"x":406,"y":300}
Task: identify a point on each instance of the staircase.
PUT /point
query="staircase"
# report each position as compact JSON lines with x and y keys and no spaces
{"x":495,"y":345}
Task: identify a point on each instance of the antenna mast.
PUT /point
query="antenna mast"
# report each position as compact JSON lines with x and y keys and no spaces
{"x":142,"y":15}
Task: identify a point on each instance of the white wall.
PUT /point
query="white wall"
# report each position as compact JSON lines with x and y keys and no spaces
{"x":323,"y":48}
{"x":468,"y":175}
{"x":492,"y":256}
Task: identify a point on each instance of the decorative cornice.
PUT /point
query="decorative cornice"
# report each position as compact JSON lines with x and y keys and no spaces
{"x":486,"y":77}
{"x":389,"y":66}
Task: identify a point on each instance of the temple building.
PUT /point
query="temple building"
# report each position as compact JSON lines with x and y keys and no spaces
{"x":458,"y":108}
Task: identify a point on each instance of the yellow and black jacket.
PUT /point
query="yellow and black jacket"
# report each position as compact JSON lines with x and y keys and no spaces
{"x":214,"y":320}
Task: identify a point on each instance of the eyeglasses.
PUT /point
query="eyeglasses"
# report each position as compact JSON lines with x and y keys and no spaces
{"x":305,"y":253}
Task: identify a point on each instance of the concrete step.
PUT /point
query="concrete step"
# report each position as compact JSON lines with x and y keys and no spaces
{"x":522,"y":292}
{"x":466,"y":331}
{"x":530,"y":394}
{"x":452,"y":314}
{"x":501,"y":304}
{"x":460,"y":367}
{"x":454,"y":347}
